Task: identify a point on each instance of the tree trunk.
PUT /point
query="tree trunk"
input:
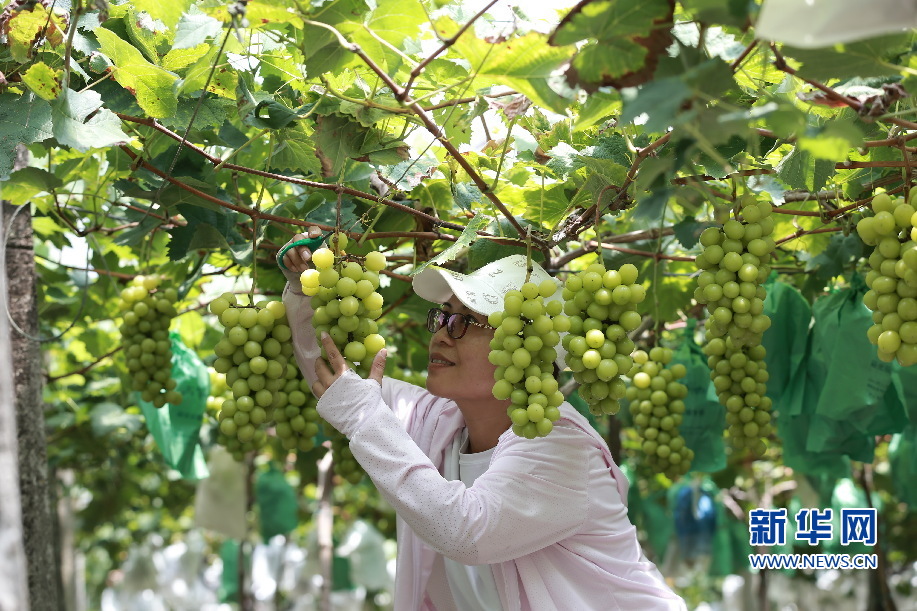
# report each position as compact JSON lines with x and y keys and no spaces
{"x":38,"y":527}
{"x":14,"y":592}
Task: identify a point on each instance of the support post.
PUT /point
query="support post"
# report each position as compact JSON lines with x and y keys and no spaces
{"x":20,"y":302}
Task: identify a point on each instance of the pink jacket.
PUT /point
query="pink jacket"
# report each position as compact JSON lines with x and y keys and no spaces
{"x":549,"y":514}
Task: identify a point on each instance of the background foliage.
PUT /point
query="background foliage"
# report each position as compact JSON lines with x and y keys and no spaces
{"x":194,"y":138}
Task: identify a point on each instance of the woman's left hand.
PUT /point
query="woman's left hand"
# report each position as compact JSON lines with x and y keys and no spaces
{"x":327,"y":376}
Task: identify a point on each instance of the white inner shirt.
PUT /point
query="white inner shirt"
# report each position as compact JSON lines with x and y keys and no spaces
{"x":473,"y":587}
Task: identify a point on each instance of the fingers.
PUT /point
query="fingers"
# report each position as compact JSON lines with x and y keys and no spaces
{"x":297,"y":259}
{"x":335,"y":359}
{"x":318,"y":389}
{"x":324,"y":374}
{"x":378,"y":367}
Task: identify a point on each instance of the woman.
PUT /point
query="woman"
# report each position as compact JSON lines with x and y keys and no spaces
{"x":486,"y":519}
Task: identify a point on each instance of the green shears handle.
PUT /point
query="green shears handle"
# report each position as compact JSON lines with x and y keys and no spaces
{"x":309,"y":243}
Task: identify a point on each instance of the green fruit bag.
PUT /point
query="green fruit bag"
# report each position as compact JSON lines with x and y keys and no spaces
{"x":786,"y":341}
{"x":704,"y":418}
{"x":855,"y":380}
{"x":846,"y":382}
{"x":902,"y":458}
{"x":276,"y":500}
{"x":176,"y":428}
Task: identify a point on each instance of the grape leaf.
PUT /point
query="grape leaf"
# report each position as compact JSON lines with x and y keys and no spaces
{"x":652,"y":206}
{"x":612,"y":147}
{"x":465,"y":194}
{"x":455,"y":121}
{"x":326,"y":214}
{"x":688,"y":230}
{"x":841,"y":251}
{"x":210,"y":114}
{"x":205,"y":229}
{"x":800,"y":170}
{"x":167,"y":11}
{"x":546,"y":206}
{"x":176,"y":59}
{"x":222,"y":83}
{"x":601,"y":63}
{"x":731,"y":12}
{"x":608,"y":19}
{"x":862,"y":58}
{"x":626,"y":39}
{"x":149,"y":83}
{"x":295,"y":150}
{"x":72,"y":129}
{"x":833,"y":140}
{"x":598,"y":106}
{"x":23,"y":120}
{"x":337,"y":139}
{"x":469,"y":235}
{"x":137,"y":233}
{"x":524,"y":64}
{"x":272,"y":12}
{"x":25,"y":28}
{"x":344,"y":15}
{"x":146,"y":33}
{"x":24,"y":184}
{"x":194,"y":28}
{"x":487,"y":250}
{"x":660,"y":100}
{"x":397,"y":20}
{"x":44,"y":81}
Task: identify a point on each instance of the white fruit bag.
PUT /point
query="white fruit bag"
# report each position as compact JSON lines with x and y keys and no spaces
{"x":818,"y":23}
{"x":220,"y":501}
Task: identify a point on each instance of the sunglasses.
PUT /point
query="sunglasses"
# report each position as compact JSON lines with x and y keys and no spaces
{"x":456,"y":324}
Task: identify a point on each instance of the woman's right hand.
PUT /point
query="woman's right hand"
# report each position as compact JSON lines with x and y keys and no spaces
{"x":297,"y":258}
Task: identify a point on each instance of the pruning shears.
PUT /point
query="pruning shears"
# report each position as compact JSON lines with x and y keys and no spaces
{"x":309,"y":243}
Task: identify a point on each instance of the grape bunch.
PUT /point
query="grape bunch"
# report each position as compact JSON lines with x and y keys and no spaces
{"x":345,"y":301}
{"x":734,"y":266}
{"x":656,"y":400}
{"x":255,"y":355}
{"x":524,"y":350}
{"x":220,"y":393}
{"x":892,"y":279}
{"x":345,"y":465}
{"x":740,"y":379}
{"x":295,"y":415}
{"x":219,"y":390}
{"x":601,"y":305}
{"x":148,"y":313}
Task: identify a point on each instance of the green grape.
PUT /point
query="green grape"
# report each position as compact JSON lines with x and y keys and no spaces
{"x":527,"y":329}
{"x":892,"y":279}
{"x":265,"y":390}
{"x":739,"y":375}
{"x":656,"y":404}
{"x":729,"y":284}
{"x":147,"y":315}
{"x":734,"y":298}
{"x":599,"y":352}
{"x":349,"y":309}
{"x":345,"y":465}
{"x":375,"y":261}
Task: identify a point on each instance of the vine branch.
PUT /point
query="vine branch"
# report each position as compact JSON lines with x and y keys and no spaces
{"x":403,"y":96}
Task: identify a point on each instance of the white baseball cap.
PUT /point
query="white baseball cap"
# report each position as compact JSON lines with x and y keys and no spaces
{"x":483,"y":290}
